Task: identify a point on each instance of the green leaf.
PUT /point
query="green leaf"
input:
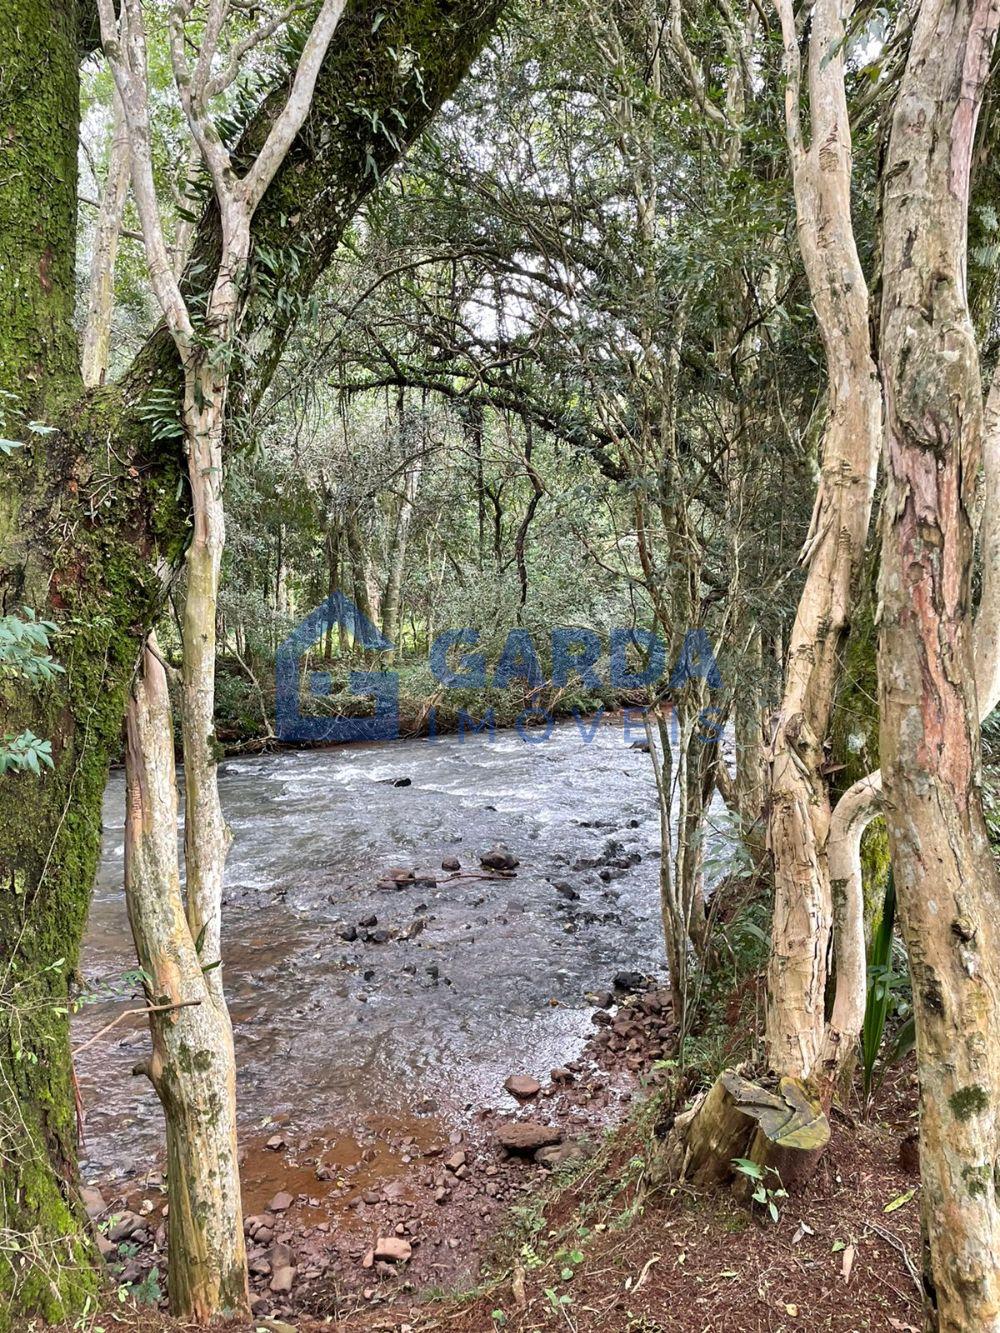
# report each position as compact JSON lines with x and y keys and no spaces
{"x":900,"y":1201}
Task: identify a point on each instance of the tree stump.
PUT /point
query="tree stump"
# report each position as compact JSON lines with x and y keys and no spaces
{"x":784,"y":1129}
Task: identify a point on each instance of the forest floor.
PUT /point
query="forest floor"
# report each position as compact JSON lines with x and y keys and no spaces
{"x":478,"y":1238}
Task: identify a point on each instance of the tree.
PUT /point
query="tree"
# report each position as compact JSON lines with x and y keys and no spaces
{"x":178,"y":938}
{"x":86,"y":525}
{"x":943,"y":867}
{"x":799,"y":795}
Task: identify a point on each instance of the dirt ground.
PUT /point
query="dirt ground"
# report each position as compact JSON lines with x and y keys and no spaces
{"x":592,"y":1250}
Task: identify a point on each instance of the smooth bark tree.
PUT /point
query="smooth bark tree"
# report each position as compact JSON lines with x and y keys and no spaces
{"x":193,"y":1065}
{"x":834,"y":547}
{"x":945,"y":874}
{"x":96,"y":342}
{"x":85,"y":528}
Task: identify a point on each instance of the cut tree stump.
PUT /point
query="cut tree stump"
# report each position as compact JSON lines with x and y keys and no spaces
{"x":784,"y":1129}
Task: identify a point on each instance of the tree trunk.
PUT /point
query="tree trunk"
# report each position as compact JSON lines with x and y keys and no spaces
{"x":799,"y":798}
{"x":96,"y":347}
{"x":783,"y":1130}
{"x":206,"y":836}
{"x":751,"y":763}
{"x":48,"y":824}
{"x":397,"y":554}
{"x":946,"y":879}
{"x":192,"y":1066}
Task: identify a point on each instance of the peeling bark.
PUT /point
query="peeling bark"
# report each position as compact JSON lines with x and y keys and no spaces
{"x":834,"y":548}
{"x":946,"y":880}
{"x":192,"y":1066}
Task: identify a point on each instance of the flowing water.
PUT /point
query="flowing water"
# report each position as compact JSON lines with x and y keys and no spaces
{"x":494,"y":983}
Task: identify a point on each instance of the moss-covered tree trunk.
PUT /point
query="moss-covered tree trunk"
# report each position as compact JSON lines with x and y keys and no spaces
{"x":87,"y":513}
{"x":48,"y":825}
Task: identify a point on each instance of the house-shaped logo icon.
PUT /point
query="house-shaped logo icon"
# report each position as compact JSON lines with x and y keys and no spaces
{"x":383,"y":686}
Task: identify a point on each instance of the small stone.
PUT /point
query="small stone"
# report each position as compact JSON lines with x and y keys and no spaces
{"x":370,"y":920}
{"x":282,"y":1280}
{"x":562,"y":1075}
{"x":393,"y":1249}
{"x":275,"y":1143}
{"x":523,"y":1086}
{"x":93,"y":1201}
{"x":451,"y":863}
{"x":456,"y":1161}
{"x":499,"y":859}
{"x":281,"y":1202}
{"x":281,"y":1257}
{"x":558,"y":1154}
{"x":629,"y":981}
{"x":125,"y":1228}
{"x":348,"y":933}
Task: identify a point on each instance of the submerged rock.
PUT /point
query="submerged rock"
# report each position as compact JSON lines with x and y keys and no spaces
{"x":498,"y":858}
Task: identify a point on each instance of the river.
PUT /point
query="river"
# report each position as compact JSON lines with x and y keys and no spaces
{"x":495,"y":982}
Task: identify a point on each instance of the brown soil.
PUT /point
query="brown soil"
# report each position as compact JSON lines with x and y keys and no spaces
{"x":592,"y":1250}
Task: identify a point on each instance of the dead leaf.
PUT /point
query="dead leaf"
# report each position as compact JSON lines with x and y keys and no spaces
{"x":645,"y":1272}
{"x":803,"y":1229}
{"x":848,"y":1262}
{"x":517,"y":1287}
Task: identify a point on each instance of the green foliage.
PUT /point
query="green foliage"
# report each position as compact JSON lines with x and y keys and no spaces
{"x":888,"y":995}
{"x":24,"y":656}
{"x":764,"y":1193}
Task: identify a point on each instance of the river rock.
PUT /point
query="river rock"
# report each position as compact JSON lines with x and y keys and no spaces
{"x":370,"y":920}
{"x":499,"y":859}
{"x":281,"y":1256}
{"x":107,"y":1247}
{"x":525,"y":1137}
{"x":126,"y":1227}
{"x":348,"y":933}
{"x":558,"y":1154}
{"x":93,"y":1201}
{"x":281,"y":1202}
{"x":629,"y":981}
{"x":523,"y":1086}
{"x":451,"y":863}
{"x":566,"y":890}
{"x":282,"y":1280}
{"x":393,"y":1249}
